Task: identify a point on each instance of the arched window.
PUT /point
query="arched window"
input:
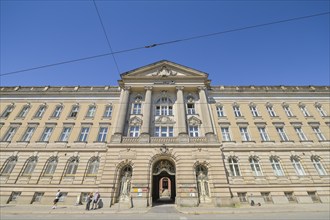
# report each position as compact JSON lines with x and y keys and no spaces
{"x":93,"y":166}
{"x":9,"y":165}
{"x":164,"y":106}
{"x":30,"y":165}
{"x":276,"y":165}
{"x":51,"y":166}
{"x":318,"y":165}
{"x":72,"y":166}
{"x":297,"y":166}
{"x":255,"y":166}
{"x":233,"y":166}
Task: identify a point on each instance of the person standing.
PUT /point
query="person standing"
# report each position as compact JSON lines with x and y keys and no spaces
{"x":57,"y":198}
{"x":89,"y":200}
{"x":95,"y":199}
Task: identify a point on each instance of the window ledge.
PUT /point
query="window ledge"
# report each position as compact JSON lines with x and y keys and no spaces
{"x":80,"y":142}
{"x":229,"y":141}
{"x":270,"y":141}
{"x":61,"y":142}
{"x":289,"y":141}
{"x":248,"y":142}
{"x":23,"y":142}
{"x":306,"y":141}
{"x":46,"y":142}
{"x":103,"y":142}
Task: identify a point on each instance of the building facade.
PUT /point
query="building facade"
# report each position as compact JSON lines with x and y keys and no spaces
{"x":165,"y":134}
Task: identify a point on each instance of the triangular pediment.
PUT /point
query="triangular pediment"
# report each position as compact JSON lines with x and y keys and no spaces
{"x":164,"y":69}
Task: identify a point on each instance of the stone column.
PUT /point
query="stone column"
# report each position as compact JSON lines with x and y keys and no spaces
{"x":124,"y":98}
{"x":206,"y":114}
{"x":145,"y":129}
{"x":181,"y":111}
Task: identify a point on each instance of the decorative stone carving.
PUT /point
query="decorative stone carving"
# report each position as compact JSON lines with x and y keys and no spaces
{"x":194,"y":121}
{"x":164,"y":71}
{"x":164,"y":120}
{"x":135,"y":121}
{"x":164,"y":165}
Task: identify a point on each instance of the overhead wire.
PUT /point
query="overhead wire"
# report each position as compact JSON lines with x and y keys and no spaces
{"x":167,"y":42}
{"x":106,"y":36}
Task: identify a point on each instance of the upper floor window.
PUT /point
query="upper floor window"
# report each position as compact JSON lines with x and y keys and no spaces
{"x":137,"y":108}
{"x":233,"y":166}
{"x":318,"y":133}
{"x":64,"y":136}
{"x":40,"y":112}
{"x":271,"y":110}
{"x":9,"y":134}
{"x":72,"y":166}
{"x":9,"y":165}
{"x":254,"y":110}
{"x":91,"y":111}
{"x":191,"y":109}
{"x":134,"y":131}
{"x":297,"y":166}
{"x":57,"y":111}
{"x":288,"y":111}
{"x":164,"y":106}
{"x":220,"y":111}
{"x":276,"y":165}
{"x":51,"y":166}
{"x":319,"y":108}
{"x":107,"y":111}
{"x":263,"y":134}
{"x":7,"y":111}
{"x":46,"y":134}
{"x":164,"y":131}
{"x":282,"y":134}
{"x":225,"y":134}
{"x":30,"y":166}
{"x":83,"y":134}
{"x":255,"y":166}
{"x":28,"y":133}
{"x":24,"y":111}
{"x":237,"y":111}
{"x":245,"y":134}
{"x":304,"y":110}
{"x":300,"y":134}
{"x":102,"y":136}
{"x":74,"y":111}
{"x":318,"y":165}
{"x":93,"y":166}
{"x":193,"y":131}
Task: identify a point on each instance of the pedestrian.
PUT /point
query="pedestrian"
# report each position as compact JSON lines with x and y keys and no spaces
{"x":89,"y":200}
{"x":57,"y":198}
{"x":96,"y":199}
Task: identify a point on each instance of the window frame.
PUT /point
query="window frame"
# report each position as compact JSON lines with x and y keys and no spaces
{"x":263,"y":134}
{"x":40,"y":111}
{"x":108,"y":111}
{"x":234,"y":166}
{"x":102,"y":135}
{"x":10,"y":133}
{"x":299,"y":169}
{"x":46,"y":134}
{"x":255,"y":166}
{"x":83,"y":134}
{"x":225,"y":133}
{"x":220,"y":111}
{"x":57,"y":111}
{"x":164,"y":131}
{"x":24,"y":111}
{"x":26,"y":137}
{"x":276,"y":166}
{"x":134,"y":131}
{"x":244,"y":133}
{"x":193,"y":131}
{"x":8,"y":110}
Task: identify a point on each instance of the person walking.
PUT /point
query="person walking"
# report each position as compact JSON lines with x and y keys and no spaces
{"x":96,"y":199}
{"x":89,"y":200}
{"x":57,"y":198}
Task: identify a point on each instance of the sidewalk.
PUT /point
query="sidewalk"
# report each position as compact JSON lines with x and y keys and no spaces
{"x":271,"y":208}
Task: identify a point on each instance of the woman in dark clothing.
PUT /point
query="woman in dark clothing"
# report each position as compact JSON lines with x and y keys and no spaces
{"x":89,"y":200}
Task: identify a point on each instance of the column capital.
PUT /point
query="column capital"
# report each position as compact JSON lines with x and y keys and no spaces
{"x":179,"y":87}
{"x":148,"y":87}
{"x":201,"y":88}
{"x":126,"y":87}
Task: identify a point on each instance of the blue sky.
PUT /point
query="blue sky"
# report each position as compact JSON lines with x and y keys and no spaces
{"x":37,"y":33}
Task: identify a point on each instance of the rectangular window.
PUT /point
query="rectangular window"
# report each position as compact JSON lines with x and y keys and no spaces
{"x":83,"y":134}
{"x":24,"y":111}
{"x":10,"y":134}
{"x":164,"y":110}
{"x":191,"y":109}
{"x":134,"y":131}
{"x":37,"y":197}
{"x":102,"y":136}
{"x":40,"y":111}
{"x":244,"y":134}
{"x":282,"y":134}
{"x":290,"y":196}
{"x":321,"y":111}
{"x":220,"y":111}
{"x":242,"y":197}
{"x":300,"y":134}
{"x":318,"y":134}
{"x":107,"y":111}
{"x":304,"y":111}
{"x":28,"y":134}
{"x":315,"y":198}
{"x":287,"y":111}
{"x":57,"y":111}
{"x":46,"y":134}
{"x":193,"y":131}
{"x":74,"y":111}
{"x":65,"y":134}
{"x":137,"y":108}
{"x":91,"y":111}
{"x":14,"y":196}
{"x":254,"y":111}
{"x":267,"y":197}
{"x":225,"y":134}
{"x":263,"y":134}
{"x":7,"y":111}
{"x":164,"y":131}
{"x":237,"y":111}
{"x":271,"y":111}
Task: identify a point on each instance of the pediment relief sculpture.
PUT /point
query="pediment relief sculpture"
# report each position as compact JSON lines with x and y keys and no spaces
{"x":194,"y":121}
{"x":164,"y":71}
{"x":164,"y":120}
{"x":135,"y":121}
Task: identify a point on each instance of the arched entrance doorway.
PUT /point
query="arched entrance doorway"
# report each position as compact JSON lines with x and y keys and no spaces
{"x":163,"y":182}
